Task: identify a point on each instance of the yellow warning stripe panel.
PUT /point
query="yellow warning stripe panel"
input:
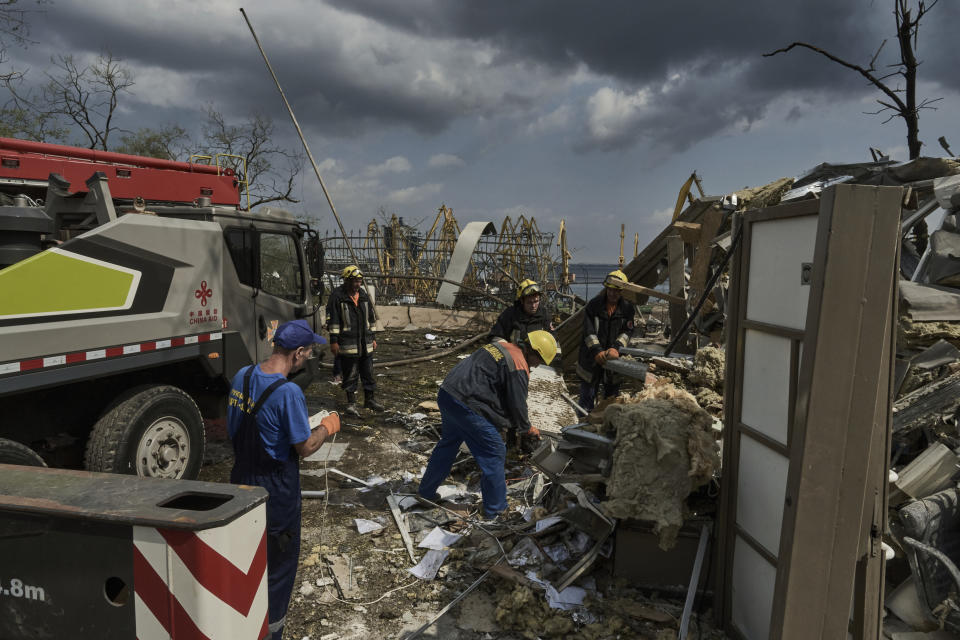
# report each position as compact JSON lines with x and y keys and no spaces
{"x":57,"y":281}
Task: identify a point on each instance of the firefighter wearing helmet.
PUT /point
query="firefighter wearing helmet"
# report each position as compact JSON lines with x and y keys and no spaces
{"x":526,"y":314}
{"x":607,"y":327}
{"x":351,"y":317}
{"x":480,"y":396}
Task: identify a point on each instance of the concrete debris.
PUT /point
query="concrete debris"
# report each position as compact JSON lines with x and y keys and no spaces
{"x":664,"y":450}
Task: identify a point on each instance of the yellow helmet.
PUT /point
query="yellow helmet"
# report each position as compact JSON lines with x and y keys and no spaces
{"x":615,"y":279}
{"x":544,"y":344}
{"x":353,"y":271}
{"x":527,"y":287}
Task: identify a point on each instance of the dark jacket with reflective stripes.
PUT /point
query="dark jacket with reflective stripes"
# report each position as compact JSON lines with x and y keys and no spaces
{"x":513,"y":324}
{"x":351,"y":325}
{"x":493,"y":383}
{"x":600,"y":332}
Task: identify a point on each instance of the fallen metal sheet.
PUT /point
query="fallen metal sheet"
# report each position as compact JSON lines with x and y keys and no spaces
{"x":947,"y":191}
{"x":936,"y":355}
{"x":460,"y":260}
{"x":943,"y":266}
{"x":929,"y":472}
{"x":328,"y":452}
{"x":930,"y":303}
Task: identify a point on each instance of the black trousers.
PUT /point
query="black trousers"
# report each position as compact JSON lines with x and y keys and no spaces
{"x":356,"y":368}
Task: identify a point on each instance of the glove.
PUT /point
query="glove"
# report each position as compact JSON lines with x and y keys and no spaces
{"x":600,"y":358}
{"x":612,"y":354}
{"x":331,"y":423}
{"x":335,"y":348}
{"x":534,"y":432}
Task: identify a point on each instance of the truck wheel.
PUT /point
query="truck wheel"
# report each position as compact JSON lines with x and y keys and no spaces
{"x":15,"y":453}
{"x":154,"y":431}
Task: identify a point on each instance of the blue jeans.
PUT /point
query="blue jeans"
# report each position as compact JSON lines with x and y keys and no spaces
{"x":459,"y":424}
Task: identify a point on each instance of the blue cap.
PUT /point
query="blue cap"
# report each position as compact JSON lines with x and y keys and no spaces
{"x":296,"y":333}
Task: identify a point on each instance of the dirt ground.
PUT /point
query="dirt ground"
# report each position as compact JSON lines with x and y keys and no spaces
{"x":389,"y":602}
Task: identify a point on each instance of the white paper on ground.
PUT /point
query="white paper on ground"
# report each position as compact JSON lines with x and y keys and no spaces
{"x":579,"y":542}
{"x":439,"y":539}
{"x":525,"y":553}
{"x":366,"y":526}
{"x":569,"y":598}
{"x":428,"y":566}
{"x":429,"y":336}
{"x":557,"y":552}
{"x":373,"y":481}
{"x":547,"y":522}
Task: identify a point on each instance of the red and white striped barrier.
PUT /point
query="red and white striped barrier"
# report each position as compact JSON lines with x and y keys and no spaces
{"x":202,"y":585}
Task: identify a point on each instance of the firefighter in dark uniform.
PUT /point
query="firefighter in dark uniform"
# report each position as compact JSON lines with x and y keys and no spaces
{"x":526,"y":314}
{"x":270,"y":430}
{"x":351,"y":319}
{"x":481,"y":395}
{"x":607,"y":327}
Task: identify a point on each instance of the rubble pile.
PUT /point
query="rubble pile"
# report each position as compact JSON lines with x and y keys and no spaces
{"x":664,"y":450}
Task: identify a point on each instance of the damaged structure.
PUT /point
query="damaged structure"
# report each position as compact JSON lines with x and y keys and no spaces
{"x":781,"y":463}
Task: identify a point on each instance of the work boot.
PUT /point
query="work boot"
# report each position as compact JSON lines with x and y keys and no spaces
{"x":370,"y":402}
{"x":351,"y":409}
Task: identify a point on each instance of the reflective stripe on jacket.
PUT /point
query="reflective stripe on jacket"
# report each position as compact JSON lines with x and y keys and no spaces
{"x":351,"y":325}
{"x":493,"y":383}
{"x":601,"y":332}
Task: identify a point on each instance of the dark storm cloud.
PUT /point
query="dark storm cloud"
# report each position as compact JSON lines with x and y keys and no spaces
{"x":637,"y":43}
{"x":626,"y":46}
{"x":333,"y":99}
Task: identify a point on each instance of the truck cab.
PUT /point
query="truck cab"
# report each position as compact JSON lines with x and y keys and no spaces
{"x":131,"y":291}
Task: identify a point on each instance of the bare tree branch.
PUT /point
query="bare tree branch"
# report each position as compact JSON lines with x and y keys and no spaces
{"x":908,"y":29}
{"x":866,"y":73}
{"x":270,"y":171}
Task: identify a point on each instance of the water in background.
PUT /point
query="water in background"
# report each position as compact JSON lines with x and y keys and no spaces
{"x":589,"y":278}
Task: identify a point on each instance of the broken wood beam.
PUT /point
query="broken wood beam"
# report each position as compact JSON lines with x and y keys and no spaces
{"x":928,"y":405}
{"x":700,"y":269}
{"x":653,"y":293}
{"x":689,"y":231}
{"x":678,"y":282}
{"x":394,"y":505}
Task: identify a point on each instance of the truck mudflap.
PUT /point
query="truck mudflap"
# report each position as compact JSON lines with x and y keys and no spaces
{"x":57,"y":369}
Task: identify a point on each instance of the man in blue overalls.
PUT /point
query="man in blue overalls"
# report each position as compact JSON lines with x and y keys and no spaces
{"x":270,"y":428}
{"x":485,"y":392}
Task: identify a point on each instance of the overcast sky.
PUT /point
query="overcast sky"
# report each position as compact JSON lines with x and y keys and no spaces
{"x":595,"y":113}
